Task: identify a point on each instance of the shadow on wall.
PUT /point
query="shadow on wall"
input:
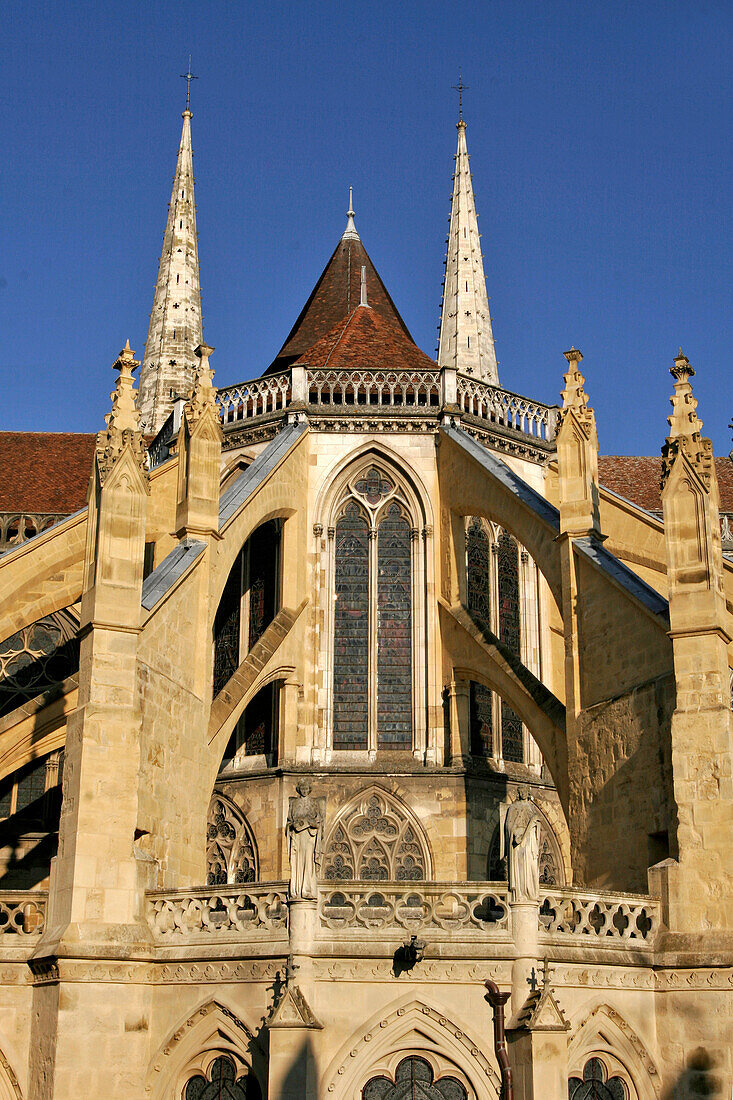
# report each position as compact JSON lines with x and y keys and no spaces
{"x":699,"y":1079}
{"x":301,"y":1080}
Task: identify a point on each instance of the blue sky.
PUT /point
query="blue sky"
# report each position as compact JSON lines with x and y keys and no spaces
{"x":601,"y":157}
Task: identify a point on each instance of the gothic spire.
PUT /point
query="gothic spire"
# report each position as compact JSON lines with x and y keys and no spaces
{"x":466,"y":340}
{"x":169,"y":363}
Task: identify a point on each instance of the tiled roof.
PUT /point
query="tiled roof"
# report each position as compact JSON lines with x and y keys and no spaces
{"x":367,"y":340}
{"x":334,"y":296}
{"x":637,"y":478}
{"x":45,"y":471}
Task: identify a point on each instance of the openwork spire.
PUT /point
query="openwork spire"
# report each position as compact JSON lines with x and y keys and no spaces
{"x":169,"y":362}
{"x":123,"y":422}
{"x":466,"y":340}
{"x":685,"y":427}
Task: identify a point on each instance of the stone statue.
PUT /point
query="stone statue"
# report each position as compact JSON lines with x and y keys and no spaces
{"x":304,"y":830}
{"x":519,"y":842}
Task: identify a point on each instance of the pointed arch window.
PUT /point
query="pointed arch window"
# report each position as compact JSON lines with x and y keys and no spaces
{"x":374,"y":628}
{"x":501,"y":593}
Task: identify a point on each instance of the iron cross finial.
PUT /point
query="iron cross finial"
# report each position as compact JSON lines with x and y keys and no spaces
{"x":188,"y":77}
{"x":460,"y":87}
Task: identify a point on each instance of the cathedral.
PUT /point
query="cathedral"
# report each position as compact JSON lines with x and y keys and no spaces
{"x":364,"y":733}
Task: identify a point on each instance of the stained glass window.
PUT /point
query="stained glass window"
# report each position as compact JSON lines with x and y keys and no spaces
{"x":373,"y":486}
{"x":226,"y":628}
{"x":509,"y":632}
{"x":263,"y":547}
{"x":257,"y":730}
{"x":222,"y":1082}
{"x":38,"y":658}
{"x":477,"y":570}
{"x":414,"y":1080}
{"x":394,"y":631}
{"x":480,"y":700}
{"x":596,"y":1084}
{"x":351,"y":631}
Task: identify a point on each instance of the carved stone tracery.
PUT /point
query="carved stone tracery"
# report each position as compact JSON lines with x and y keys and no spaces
{"x":230,"y":848}
{"x":374,"y":840}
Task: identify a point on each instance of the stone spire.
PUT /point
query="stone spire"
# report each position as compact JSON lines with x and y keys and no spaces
{"x":169,"y":363}
{"x":466,"y":341}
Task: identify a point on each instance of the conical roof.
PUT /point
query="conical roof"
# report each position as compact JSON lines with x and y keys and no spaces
{"x":367,"y":340}
{"x":336,"y":294}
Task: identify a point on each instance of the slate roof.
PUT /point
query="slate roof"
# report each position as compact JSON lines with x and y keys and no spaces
{"x":45,"y":471}
{"x":334,"y":296}
{"x":637,"y":479}
{"x":366,"y":339}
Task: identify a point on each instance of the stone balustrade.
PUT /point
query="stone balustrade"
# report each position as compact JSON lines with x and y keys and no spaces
{"x":478,"y":911}
{"x":269,"y":394}
{"x":387,"y":391}
{"x":468,"y":908}
{"x":360,"y":388}
{"x":624,"y":919}
{"x":506,"y":409}
{"x":22,"y":912}
{"x":238,"y":912}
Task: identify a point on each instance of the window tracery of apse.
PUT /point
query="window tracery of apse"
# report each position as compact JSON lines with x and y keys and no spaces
{"x":493,"y":597}
{"x":230,"y":849}
{"x":375,"y":842}
{"x":373,"y":626}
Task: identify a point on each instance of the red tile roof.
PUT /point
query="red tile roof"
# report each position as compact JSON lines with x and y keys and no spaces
{"x":637,"y":479}
{"x":44,"y":471}
{"x":334,"y":296}
{"x":368,"y":341}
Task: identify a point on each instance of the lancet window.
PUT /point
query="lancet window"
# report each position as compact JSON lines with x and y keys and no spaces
{"x":376,"y":563}
{"x":230,"y":847}
{"x":249,"y":601}
{"x":502,"y":593}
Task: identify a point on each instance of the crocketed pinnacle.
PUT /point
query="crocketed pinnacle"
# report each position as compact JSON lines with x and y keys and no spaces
{"x":203,"y":395}
{"x":685,"y":427}
{"x":123,"y":421}
{"x":574,"y":396}
{"x":169,"y":362}
{"x":466,"y":340}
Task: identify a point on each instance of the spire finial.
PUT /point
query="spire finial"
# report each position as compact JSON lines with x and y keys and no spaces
{"x":188,"y":77}
{"x":460,"y":87}
{"x":350,"y":231}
